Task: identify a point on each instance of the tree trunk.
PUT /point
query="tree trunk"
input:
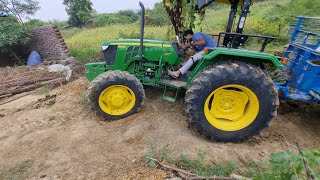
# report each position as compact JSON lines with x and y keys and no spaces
{"x":16,"y":58}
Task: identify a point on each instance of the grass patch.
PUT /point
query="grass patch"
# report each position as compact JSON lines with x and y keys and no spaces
{"x":197,"y":165}
{"x":67,"y":33}
{"x":17,"y":172}
{"x":84,"y":100}
{"x":281,"y":165}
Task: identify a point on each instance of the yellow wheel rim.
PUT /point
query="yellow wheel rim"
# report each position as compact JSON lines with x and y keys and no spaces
{"x":231,"y":107}
{"x":117,"y":100}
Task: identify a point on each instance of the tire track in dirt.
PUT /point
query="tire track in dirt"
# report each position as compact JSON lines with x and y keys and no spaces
{"x":65,"y":140}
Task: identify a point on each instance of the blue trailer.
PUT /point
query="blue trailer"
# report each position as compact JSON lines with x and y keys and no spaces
{"x":302,"y":61}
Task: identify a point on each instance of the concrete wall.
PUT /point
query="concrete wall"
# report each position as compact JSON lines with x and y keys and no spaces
{"x":47,"y":40}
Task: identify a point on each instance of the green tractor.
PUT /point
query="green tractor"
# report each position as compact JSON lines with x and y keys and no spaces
{"x":228,"y":97}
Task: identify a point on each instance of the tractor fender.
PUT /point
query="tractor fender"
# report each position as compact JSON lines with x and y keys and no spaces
{"x":219,"y":55}
{"x":243,"y":54}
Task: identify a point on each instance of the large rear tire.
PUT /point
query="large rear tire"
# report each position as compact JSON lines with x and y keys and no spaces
{"x":231,"y":102}
{"x":116,"y":94}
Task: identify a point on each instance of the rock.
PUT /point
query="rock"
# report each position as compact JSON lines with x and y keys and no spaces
{"x":154,"y":108}
{"x":238,"y":177}
{"x":174,"y":178}
{"x":43,"y":176}
{"x":51,"y":102}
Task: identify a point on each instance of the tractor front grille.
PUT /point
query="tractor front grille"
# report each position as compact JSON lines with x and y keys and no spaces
{"x":110,"y":54}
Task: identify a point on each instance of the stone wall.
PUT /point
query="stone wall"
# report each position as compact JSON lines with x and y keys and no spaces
{"x":47,"y":40}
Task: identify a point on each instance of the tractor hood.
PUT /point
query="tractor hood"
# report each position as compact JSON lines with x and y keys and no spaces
{"x":136,"y":42}
{"x":153,"y":50}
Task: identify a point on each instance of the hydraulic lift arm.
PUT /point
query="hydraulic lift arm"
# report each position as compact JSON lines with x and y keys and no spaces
{"x":176,"y":12}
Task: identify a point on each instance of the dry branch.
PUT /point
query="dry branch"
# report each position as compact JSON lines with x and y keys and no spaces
{"x":25,"y":82}
{"x":15,"y":80}
{"x":13,"y":98}
{"x":188,"y":175}
{"x":20,"y":89}
{"x":310,"y":175}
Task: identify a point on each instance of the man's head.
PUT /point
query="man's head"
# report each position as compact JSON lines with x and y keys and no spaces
{"x":188,"y":34}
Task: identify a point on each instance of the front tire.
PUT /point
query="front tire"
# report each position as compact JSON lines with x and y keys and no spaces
{"x":231,"y":102}
{"x":116,"y":95}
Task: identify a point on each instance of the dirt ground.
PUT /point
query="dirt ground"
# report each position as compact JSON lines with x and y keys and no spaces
{"x":53,"y":135}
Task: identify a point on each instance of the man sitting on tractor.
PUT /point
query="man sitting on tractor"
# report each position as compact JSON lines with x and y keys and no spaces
{"x":199,"y":41}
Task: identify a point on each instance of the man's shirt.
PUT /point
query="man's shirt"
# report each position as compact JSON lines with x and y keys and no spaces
{"x":210,"y":43}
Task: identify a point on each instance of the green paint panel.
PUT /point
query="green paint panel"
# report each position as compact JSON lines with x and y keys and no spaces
{"x":226,"y":54}
{"x":245,"y":54}
{"x":94,"y":69}
{"x":158,"y":54}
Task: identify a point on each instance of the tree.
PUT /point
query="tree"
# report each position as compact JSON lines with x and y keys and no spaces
{"x":19,"y":8}
{"x":79,"y":11}
{"x":156,"y":16}
{"x":131,"y":15}
{"x":12,"y":35}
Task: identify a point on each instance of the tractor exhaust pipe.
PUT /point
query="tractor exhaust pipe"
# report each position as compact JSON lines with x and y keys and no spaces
{"x":143,"y":10}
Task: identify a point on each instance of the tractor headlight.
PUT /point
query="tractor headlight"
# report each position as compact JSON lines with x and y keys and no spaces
{"x":104,"y":48}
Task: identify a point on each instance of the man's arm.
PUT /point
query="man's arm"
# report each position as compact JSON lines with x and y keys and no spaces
{"x":201,"y":42}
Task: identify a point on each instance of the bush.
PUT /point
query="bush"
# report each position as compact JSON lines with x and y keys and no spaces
{"x":35,"y":23}
{"x":59,"y":24}
{"x":123,"y":17}
{"x":131,"y":15}
{"x":286,"y":165}
{"x":12,"y":34}
{"x":156,"y":19}
{"x":157,"y":16}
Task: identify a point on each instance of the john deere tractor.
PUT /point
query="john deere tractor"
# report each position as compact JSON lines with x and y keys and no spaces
{"x":228,"y":97}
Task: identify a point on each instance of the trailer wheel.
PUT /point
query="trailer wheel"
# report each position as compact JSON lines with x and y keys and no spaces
{"x":231,"y":102}
{"x":116,"y":94}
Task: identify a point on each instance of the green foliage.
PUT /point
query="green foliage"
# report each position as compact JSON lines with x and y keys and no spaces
{"x":35,"y":23}
{"x":131,"y":15}
{"x":151,"y":154}
{"x":19,"y":8}
{"x":79,"y":11}
{"x":254,"y":169}
{"x":12,"y":34}
{"x":156,"y":19}
{"x":69,"y":32}
{"x":282,"y":14}
{"x":60,"y":24}
{"x":109,"y":19}
{"x":188,"y":15}
{"x":128,"y":35}
{"x":281,"y":166}
{"x":286,"y":165}
{"x":157,"y":16}
{"x":198,"y":166}
{"x":121,"y":17}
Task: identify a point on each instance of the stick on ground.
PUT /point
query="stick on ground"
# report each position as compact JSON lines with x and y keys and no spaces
{"x":310,"y":175}
{"x":188,"y":175}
